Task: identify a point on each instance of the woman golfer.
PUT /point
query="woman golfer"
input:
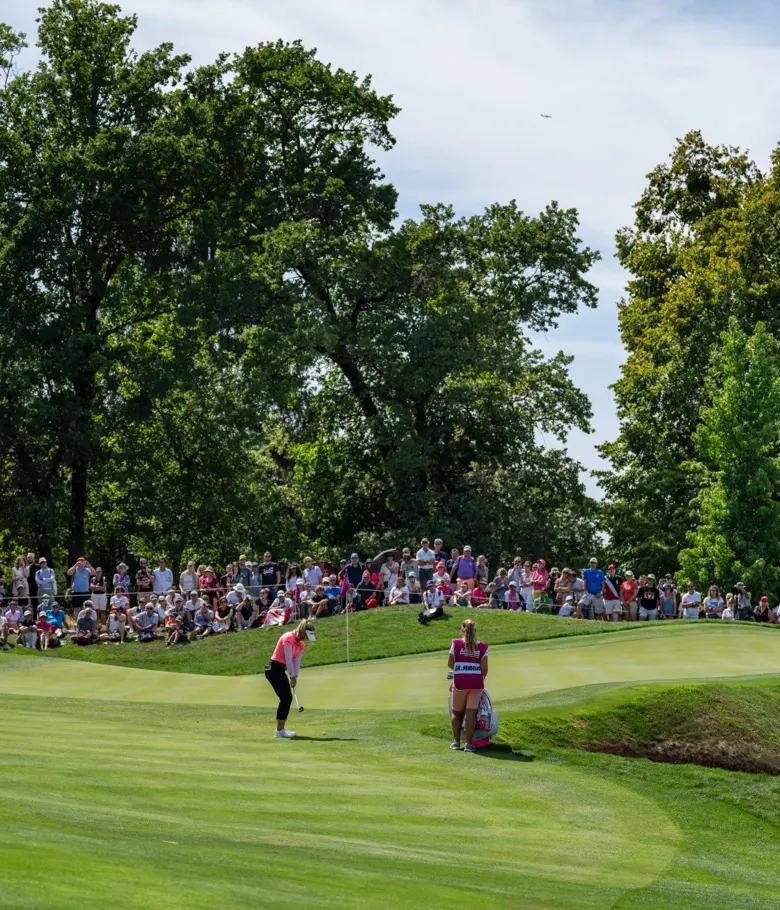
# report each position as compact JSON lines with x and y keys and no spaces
{"x":469,"y":663}
{"x":287,"y":659}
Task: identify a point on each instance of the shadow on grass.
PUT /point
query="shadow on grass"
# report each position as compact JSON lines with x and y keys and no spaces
{"x":328,"y":739}
{"x":504,"y":752}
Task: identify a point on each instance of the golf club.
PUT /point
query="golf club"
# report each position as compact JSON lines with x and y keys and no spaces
{"x":295,"y":695}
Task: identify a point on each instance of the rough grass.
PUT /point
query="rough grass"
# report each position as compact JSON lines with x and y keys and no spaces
{"x":735,"y":726}
{"x":390,"y":632}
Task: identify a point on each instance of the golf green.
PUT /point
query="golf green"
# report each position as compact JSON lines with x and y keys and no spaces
{"x":418,"y":682}
{"x":152,"y":789}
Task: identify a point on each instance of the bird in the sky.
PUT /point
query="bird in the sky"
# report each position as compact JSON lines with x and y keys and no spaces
{"x":546,"y":116}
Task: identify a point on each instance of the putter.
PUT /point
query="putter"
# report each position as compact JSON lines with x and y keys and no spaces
{"x":295,"y":695}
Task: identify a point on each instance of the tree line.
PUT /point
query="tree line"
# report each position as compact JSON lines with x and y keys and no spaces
{"x":217,"y":336}
{"x":694,"y":483}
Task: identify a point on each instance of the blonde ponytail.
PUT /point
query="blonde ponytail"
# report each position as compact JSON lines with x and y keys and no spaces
{"x":469,"y":630}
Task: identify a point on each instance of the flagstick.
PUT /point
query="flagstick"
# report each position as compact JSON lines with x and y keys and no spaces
{"x":349,"y":605}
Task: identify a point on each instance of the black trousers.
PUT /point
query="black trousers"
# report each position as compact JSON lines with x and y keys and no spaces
{"x":275,"y":673}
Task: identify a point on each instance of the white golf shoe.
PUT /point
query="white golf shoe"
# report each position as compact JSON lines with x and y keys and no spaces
{"x":285,"y":734}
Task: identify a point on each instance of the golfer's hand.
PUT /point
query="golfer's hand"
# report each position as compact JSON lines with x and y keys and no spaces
{"x":293,"y":681}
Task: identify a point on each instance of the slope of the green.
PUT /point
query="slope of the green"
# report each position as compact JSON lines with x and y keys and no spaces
{"x":724,"y":725}
{"x":374,"y":634}
{"x":418,"y":682}
{"x":729,"y":821}
{"x":200,"y":808}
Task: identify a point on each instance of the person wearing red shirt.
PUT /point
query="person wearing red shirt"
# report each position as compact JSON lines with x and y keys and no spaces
{"x":628,"y":596}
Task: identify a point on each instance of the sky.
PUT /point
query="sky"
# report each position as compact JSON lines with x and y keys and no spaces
{"x":622,"y":80}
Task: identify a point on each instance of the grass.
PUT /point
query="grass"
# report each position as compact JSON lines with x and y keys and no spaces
{"x":728,"y":822}
{"x":164,"y":791}
{"x":726,"y":725}
{"x":374,"y":634}
{"x":197,"y":808}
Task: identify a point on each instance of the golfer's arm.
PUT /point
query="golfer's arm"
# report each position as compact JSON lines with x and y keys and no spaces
{"x":288,"y":659}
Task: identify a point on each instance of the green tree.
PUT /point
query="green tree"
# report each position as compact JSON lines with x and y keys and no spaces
{"x":684,"y":254}
{"x":94,"y":179}
{"x":738,"y":446}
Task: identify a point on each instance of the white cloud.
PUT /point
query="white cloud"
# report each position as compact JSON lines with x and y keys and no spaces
{"x":621,"y":80}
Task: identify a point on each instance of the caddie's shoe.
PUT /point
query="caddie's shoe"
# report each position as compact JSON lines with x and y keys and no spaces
{"x":455,"y":745}
{"x":285,"y":734}
{"x":469,"y":748}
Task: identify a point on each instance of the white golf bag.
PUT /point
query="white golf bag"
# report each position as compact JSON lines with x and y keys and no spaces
{"x":487,"y":720}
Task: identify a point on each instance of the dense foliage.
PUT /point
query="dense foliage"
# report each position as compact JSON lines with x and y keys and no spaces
{"x":694,"y":459}
{"x":218,"y":337}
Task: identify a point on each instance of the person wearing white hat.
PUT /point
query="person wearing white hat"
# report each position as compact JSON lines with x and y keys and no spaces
{"x":628,"y":596}
{"x":286,"y":662}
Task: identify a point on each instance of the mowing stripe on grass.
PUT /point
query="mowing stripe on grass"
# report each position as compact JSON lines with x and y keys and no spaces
{"x":418,"y":682}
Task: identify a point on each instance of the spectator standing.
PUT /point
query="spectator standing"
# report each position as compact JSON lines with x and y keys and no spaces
{"x":648,"y":597}
{"x":714,"y":603}
{"x":594,"y":588}
{"x":415,"y":594}
{"x":729,"y":611}
{"x":144,"y":582}
{"x":500,"y":587}
{"x":690,"y":602}
{"x":80,"y":574}
{"x":669,"y":603}
{"x":44,"y":579}
{"x":464,"y":568}
{"x":527,"y":586}
{"x":761,"y":612}
{"x":628,"y":596}
{"x":122,"y":579}
{"x":188,"y":580}
{"x":743,"y":607}
{"x":20,"y":580}
{"x":407,"y":564}
{"x":163,"y":579}
{"x":483,"y":571}
{"x":454,"y":557}
{"x":388,"y":575}
{"x":97,"y":592}
{"x":426,"y":560}
{"x":312,"y":573}
{"x":268,"y":573}
{"x":243,"y":573}
{"x":32,"y":584}
{"x":438,"y":551}
{"x":355,"y":571}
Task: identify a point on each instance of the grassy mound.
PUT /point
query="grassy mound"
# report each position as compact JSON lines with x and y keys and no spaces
{"x":735,"y":726}
{"x":390,"y":632}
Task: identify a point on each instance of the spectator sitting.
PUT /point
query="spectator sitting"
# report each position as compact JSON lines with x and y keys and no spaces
{"x":28,"y":634}
{"x":86,"y":626}
{"x":4,"y":633}
{"x":494,"y":602}
{"x":148,"y":621}
{"x":120,"y":599}
{"x":333,"y":593}
{"x":445,"y":588}
{"x":415,"y":594}
{"x":264,"y":602}
{"x":223,"y":617}
{"x":235,"y":595}
{"x":247,"y":613}
{"x":463,"y":594}
{"x":14,"y":616}
{"x":173,"y":630}
{"x":56,"y":617}
{"x":115,"y":628}
{"x":318,"y":603}
{"x":399,"y":594}
{"x":204,"y":621}
{"x":281,"y":610}
{"x":762,"y":612}
{"x":513,"y":600}
{"x":44,"y":630}
{"x":567,"y":607}
{"x":434,"y":605}
{"x":365,"y":594}
{"x":479,"y":597}
{"x":441,"y":574}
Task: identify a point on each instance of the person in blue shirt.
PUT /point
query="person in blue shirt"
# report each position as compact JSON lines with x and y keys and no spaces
{"x":594,"y":588}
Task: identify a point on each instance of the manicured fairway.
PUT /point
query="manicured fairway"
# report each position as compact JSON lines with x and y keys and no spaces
{"x":418,"y":682}
{"x":133,"y":806}
{"x":131,"y":788}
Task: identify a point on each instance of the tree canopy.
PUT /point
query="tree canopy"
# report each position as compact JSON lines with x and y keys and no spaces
{"x":218,"y":336}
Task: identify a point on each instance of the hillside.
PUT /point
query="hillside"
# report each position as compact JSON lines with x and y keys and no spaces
{"x":728,"y":725}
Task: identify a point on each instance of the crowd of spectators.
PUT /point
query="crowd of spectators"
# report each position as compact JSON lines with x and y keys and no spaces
{"x":152,"y":604}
